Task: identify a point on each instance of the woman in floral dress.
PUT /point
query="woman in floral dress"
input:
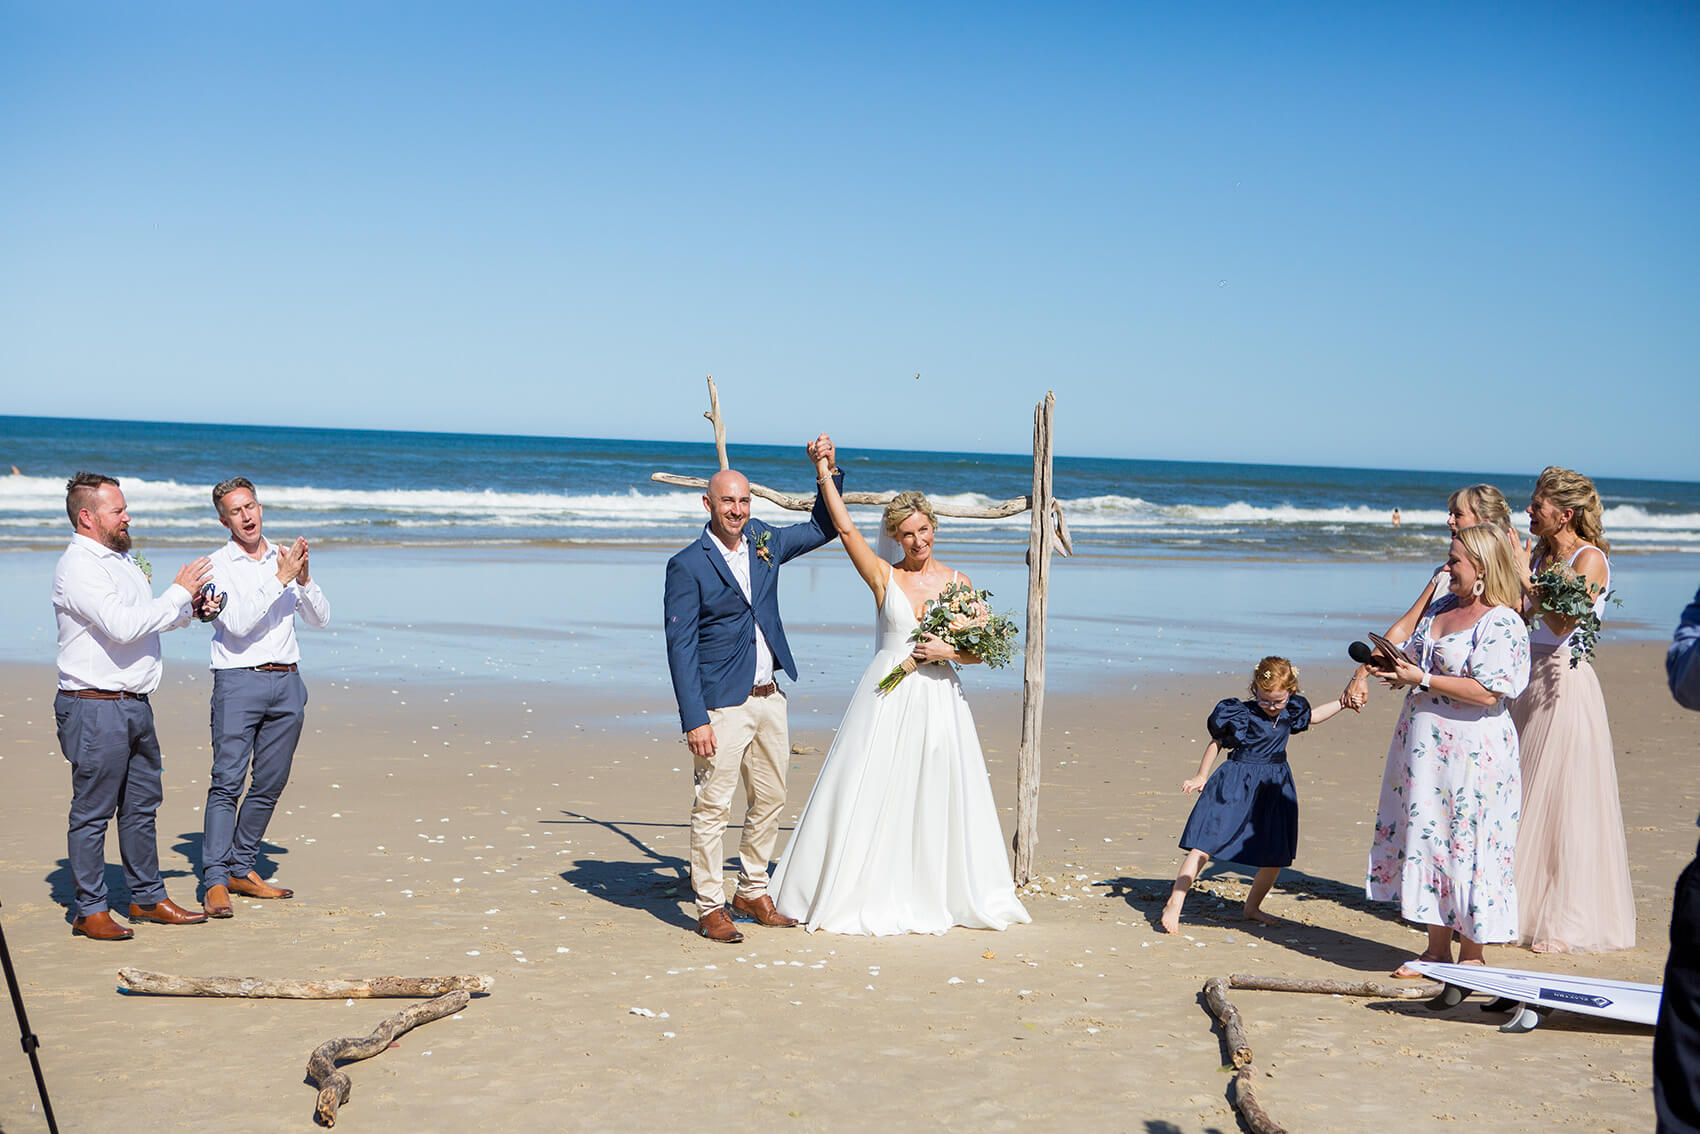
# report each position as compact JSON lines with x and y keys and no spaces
{"x":1446,"y":830}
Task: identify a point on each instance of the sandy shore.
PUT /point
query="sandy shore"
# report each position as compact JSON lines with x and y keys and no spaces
{"x":515,"y":831}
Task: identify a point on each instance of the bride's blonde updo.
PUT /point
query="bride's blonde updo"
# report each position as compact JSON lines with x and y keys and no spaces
{"x":904,"y":505}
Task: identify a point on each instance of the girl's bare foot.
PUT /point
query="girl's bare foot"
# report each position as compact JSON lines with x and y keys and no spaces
{"x":1171,"y":921}
{"x":1260,"y":917}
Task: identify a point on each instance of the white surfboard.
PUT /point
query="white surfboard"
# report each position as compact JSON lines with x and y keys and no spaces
{"x":1613,"y":999}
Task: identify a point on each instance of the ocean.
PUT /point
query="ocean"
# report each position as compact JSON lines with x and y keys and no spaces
{"x":458,"y":557}
{"x":460,"y":490}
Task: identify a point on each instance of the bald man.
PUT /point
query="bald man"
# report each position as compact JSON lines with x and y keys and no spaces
{"x":725,"y":643}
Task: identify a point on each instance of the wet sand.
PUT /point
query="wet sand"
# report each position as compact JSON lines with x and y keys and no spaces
{"x":538,"y":834}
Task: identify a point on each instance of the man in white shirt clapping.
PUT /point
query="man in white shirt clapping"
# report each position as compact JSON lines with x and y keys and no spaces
{"x":109,"y":624}
{"x":259,"y":703}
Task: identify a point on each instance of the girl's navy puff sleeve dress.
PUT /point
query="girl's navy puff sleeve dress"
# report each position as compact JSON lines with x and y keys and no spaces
{"x":1249,"y":812}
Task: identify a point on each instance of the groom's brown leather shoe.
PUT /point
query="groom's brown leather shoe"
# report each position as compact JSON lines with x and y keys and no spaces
{"x":763,"y":911}
{"x":99,"y":926}
{"x":165,"y":912}
{"x":217,"y":902}
{"x":253,"y":886}
{"x":717,"y":925}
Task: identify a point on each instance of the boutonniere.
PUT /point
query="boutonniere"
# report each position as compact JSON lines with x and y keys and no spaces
{"x":761,"y":546}
{"x":141,"y":561}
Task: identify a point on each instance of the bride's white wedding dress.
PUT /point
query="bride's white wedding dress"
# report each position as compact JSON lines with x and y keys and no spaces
{"x":900,"y":834}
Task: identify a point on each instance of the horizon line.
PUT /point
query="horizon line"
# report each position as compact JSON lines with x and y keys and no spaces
{"x":774,"y":445}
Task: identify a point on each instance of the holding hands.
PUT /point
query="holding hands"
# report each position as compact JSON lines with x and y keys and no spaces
{"x":822,"y":453}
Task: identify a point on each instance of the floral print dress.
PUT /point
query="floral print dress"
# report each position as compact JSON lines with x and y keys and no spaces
{"x":1446,"y":829}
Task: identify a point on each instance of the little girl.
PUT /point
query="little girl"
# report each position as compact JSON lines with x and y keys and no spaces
{"x":1250,"y":814}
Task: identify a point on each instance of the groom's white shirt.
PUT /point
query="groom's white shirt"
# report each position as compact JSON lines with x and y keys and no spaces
{"x":738,"y":562}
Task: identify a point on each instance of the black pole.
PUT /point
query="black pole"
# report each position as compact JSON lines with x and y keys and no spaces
{"x":29,"y":1041}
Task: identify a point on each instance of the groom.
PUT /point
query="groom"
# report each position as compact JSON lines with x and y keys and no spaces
{"x":724,"y":641}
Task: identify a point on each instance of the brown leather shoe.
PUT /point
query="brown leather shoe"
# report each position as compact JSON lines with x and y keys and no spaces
{"x":165,"y":912}
{"x":100,"y":927}
{"x":254,"y":887}
{"x":717,"y":926}
{"x":217,"y":902}
{"x":763,"y":911}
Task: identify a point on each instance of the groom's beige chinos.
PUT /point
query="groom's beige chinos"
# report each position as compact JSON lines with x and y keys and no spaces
{"x":753,"y":744}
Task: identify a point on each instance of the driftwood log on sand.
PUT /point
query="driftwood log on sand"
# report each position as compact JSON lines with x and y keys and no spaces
{"x":164,"y":984}
{"x":334,"y":1086}
{"x":1414,"y":990}
{"x":1244,"y":1098}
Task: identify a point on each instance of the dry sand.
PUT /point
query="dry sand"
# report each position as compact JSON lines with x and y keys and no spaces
{"x":434,"y":830}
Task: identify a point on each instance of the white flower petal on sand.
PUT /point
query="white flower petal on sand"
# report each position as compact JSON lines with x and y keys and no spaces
{"x":636,"y":1011}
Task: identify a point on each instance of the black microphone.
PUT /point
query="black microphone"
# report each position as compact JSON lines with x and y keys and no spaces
{"x":1361,"y":653}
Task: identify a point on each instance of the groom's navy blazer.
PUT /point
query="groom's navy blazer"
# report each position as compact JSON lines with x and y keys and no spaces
{"x":711,"y":637}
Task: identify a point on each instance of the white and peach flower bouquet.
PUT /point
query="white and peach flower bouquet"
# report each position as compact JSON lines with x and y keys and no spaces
{"x":963,"y":619}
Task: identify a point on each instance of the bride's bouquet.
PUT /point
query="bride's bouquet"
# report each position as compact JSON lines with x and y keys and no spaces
{"x":1560,"y":590}
{"x":963,"y":619}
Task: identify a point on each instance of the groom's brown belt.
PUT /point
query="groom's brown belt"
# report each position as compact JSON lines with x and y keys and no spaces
{"x":767,"y":690}
{"x":104,"y":694}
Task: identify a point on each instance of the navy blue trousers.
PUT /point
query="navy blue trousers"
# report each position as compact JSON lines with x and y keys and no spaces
{"x":257,"y":718}
{"x":1676,"y":1046}
{"x":115,"y":770}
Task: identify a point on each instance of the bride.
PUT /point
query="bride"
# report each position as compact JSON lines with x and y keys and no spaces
{"x":900,"y":834}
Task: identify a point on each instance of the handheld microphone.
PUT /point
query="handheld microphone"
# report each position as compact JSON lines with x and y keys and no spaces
{"x":1361,"y":653}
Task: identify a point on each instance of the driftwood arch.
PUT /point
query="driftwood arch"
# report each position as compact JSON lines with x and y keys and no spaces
{"x":1048,"y":533}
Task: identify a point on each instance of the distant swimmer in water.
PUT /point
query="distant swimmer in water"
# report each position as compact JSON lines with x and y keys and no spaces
{"x":1395,"y":517}
{"x":15,"y":471}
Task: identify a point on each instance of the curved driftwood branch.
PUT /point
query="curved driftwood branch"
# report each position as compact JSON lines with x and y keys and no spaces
{"x":164,"y":984}
{"x":713,"y":416}
{"x":334,"y":1086}
{"x":1065,"y":544}
{"x":1257,"y":1119}
{"x":1420,"y":990}
{"x":1240,"y":1091}
{"x":1233,"y":1029}
{"x":998,"y":511}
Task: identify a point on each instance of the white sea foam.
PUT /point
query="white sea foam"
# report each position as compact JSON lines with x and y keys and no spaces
{"x":30,"y":504}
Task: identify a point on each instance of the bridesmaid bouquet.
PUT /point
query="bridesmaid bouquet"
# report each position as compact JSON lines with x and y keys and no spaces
{"x":1560,"y":590}
{"x":963,"y":619}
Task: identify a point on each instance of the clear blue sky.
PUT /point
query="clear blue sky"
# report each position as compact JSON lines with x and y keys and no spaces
{"x":1433,"y":235}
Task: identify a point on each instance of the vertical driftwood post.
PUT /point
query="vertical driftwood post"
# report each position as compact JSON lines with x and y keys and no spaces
{"x":713,"y":415}
{"x":1039,"y":547}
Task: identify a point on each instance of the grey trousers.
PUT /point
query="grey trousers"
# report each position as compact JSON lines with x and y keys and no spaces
{"x":115,"y":770}
{"x":256,"y":721}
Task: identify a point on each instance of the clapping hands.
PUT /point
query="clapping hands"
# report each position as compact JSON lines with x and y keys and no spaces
{"x":292,"y":563}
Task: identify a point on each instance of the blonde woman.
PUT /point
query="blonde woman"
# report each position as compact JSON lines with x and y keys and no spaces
{"x":1572,"y":861}
{"x":901,"y":833}
{"x":1468,"y":506}
{"x":1446,"y":827}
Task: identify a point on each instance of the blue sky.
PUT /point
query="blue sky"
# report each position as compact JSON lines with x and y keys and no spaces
{"x":1450,"y":236}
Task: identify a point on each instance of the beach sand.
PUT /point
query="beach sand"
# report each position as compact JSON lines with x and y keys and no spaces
{"x":538,"y":835}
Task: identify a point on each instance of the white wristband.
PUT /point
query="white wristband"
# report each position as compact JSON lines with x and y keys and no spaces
{"x":1423,"y":684}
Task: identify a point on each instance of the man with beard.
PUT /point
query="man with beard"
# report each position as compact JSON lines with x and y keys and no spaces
{"x":109,"y":625}
{"x":259,"y":703}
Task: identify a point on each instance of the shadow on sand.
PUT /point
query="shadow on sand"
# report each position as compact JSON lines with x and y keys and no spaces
{"x":1218,"y":896}
{"x":656,"y":883}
